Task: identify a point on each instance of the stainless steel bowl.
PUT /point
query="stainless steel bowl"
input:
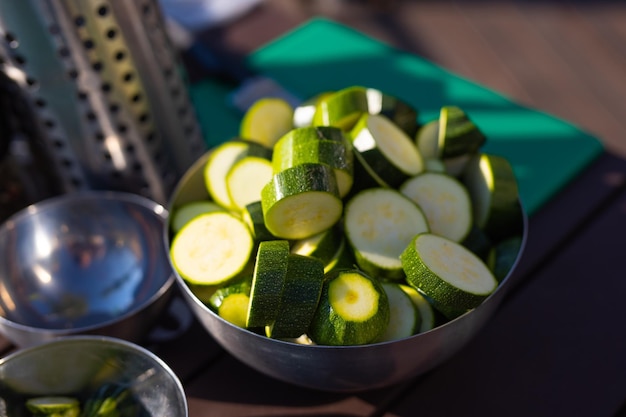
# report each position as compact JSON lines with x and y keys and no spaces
{"x":330,"y":368}
{"x":89,"y":262}
{"x":78,"y":366}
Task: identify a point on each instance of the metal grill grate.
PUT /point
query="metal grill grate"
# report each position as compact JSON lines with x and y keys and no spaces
{"x":108,"y":90}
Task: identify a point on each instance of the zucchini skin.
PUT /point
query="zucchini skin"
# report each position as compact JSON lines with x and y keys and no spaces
{"x":329,"y":328}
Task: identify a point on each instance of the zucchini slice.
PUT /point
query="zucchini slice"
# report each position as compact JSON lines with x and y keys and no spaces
{"x":399,"y":112}
{"x":428,"y":318}
{"x":493,"y":190}
{"x":301,"y":201}
{"x":323,"y":246}
{"x":245,"y":180}
{"x":183,"y":214}
{"x":220,"y":294}
{"x":353,"y":310}
{"x":457,"y":135}
{"x":303,"y":113}
{"x":404,"y":317}
{"x":342,"y":108}
{"x":212,"y":248}
{"x":303,"y":287}
{"x":55,"y":406}
{"x":252,"y":215}
{"x":221,"y":161}
{"x":379,"y":224}
{"x":444,"y":201}
{"x":427,"y":140}
{"x":453,"y":277}
{"x":267,"y":120}
{"x":384,"y":149}
{"x":320,"y":144}
{"x":268,"y":282}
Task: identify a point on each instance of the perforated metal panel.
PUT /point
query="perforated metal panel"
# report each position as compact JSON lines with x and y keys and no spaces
{"x":108,"y":90}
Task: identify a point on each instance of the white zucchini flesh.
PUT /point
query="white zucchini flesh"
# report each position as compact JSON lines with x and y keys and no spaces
{"x":427,"y":140}
{"x":404,"y":319}
{"x":445,"y":202}
{"x":392,"y":142}
{"x":183,"y":214}
{"x":380,"y":223}
{"x":212,"y":248}
{"x":453,"y":277}
{"x":246,"y":179}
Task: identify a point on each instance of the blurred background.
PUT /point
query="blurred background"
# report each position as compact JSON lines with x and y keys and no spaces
{"x":565,"y":57}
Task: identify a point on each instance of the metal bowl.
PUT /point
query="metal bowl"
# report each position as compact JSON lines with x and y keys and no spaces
{"x":334,"y":368}
{"x":90,"y":262}
{"x":78,"y":366}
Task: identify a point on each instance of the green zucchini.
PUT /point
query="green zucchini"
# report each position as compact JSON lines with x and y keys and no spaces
{"x":457,"y":134}
{"x":211,"y":249}
{"x":183,"y":214}
{"x":319,"y":144}
{"x":427,"y":140}
{"x":323,"y":246}
{"x":379,"y":223}
{"x":245,"y":180}
{"x":234,"y":309}
{"x":353,"y":310}
{"x":303,"y":113}
{"x":385,"y":150}
{"x":252,"y":215}
{"x":404,"y":317}
{"x":268,"y":282}
{"x":428,"y":317}
{"x":493,"y":190}
{"x":399,"y":112}
{"x":221,"y":160}
{"x":267,"y":120}
{"x":452,"y":276}
{"x":444,"y":201}
{"x":342,"y":108}
{"x":301,"y":201}
{"x":53,"y":406}
{"x":301,"y":294}
{"x":241,"y":286}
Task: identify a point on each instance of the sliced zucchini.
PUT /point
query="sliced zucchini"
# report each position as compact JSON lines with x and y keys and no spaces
{"x":341,"y":108}
{"x":343,"y":259}
{"x":434,"y":165}
{"x":353,"y":310}
{"x":320,"y":144}
{"x":54,"y":406}
{"x":323,"y":246}
{"x":245,"y":180}
{"x":384,"y":149}
{"x":303,"y":287}
{"x":453,"y":277}
{"x":181,"y":215}
{"x":241,"y":286}
{"x":234,"y":309}
{"x":268,"y":282}
{"x":458,"y":135}
{"x":427,"y":140}
{"x":495,"y":197}
{"x":267,"y":120}
{"x":427,"y":315}
{"x":301,"y":201}
{"x":303,"y":113}
{"x":212,"y":248}
{"x":379,"y":224}
{"x":404,"y":317}
{"x":221,"y":160}
{"x":252,"y":215}
{"x":444,"y":201}
{"x":399,"y":112}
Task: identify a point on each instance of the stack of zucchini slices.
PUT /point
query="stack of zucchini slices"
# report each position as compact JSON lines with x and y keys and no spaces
{"x":345,"y":222}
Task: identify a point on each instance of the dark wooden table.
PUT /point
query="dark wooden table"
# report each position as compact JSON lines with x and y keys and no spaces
{"x":557,"y":345}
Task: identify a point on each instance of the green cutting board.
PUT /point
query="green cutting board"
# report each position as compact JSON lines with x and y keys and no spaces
{"x":322,"y":55}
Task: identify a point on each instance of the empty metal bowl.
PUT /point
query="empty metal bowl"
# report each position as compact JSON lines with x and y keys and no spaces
{"x":335,"y":368}
{"x":89,"y":262}
{"x":84,"y":366}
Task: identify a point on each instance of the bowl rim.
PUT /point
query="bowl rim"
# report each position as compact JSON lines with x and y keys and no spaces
{"x":108,"y":340}
{"x":90,"y":195}
{"x":193,"y":172}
